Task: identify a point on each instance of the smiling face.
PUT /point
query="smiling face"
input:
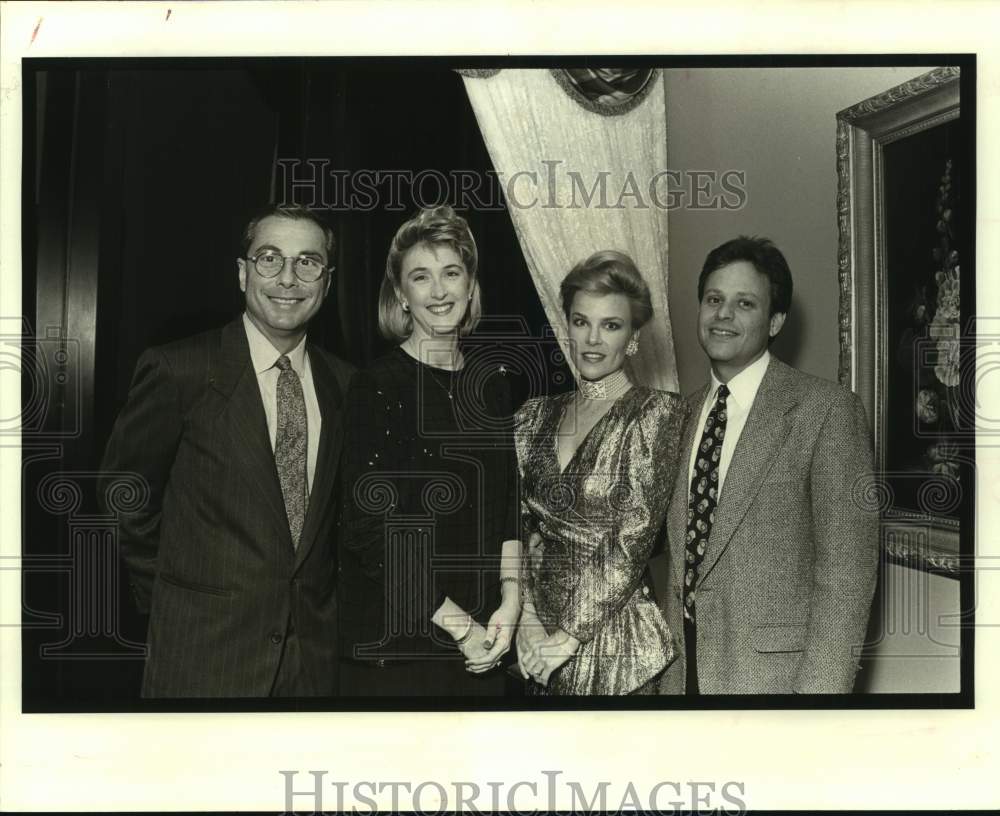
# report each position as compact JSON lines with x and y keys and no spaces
{"x":435,"y":285}
{"x":600,"y":327}
{"x":282,"y":306}
{"x":734,"y":321}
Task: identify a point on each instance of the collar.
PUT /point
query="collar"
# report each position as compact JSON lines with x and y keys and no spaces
{"x":264,"y":355}
{"x":744,"y":386}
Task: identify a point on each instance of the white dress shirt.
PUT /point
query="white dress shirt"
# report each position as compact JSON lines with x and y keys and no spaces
{"x":264,"y":356}
{"x":742,"y":392}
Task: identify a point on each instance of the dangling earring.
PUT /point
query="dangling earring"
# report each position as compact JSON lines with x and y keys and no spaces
{"x":633,"y":346}
{"x":405,"y":306}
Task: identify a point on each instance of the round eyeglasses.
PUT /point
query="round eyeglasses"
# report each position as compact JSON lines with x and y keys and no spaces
{"x":269,"y":264}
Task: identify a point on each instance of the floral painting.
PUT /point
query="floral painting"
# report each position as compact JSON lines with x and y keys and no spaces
{"x":925,"y":243}
{"x":906,"y":165}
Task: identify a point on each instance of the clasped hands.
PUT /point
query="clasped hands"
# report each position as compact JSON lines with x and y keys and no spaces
{"x":539,"y":654}
{"x":484,"y":647}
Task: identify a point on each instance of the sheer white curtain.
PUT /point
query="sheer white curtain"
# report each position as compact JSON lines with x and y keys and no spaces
{"x":552,"y":155}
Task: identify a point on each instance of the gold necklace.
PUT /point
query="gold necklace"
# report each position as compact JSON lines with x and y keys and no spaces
{"x":451,"y":381}
{"x":407,"y":349}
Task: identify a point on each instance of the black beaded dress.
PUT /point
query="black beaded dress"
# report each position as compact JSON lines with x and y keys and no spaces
{"x":428,"y":496}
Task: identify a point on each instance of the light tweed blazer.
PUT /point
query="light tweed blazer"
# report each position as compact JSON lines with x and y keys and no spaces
{"x":785,"y":590}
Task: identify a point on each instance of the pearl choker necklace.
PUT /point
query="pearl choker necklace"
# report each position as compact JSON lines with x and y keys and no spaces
{"x":609,"y":387}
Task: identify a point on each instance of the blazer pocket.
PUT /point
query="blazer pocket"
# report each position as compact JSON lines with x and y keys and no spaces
{"x":779,"y":638}
{"x":191,"y":586}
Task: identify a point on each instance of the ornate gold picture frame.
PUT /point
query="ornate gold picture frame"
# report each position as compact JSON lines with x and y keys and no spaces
{"x":904,"y":231}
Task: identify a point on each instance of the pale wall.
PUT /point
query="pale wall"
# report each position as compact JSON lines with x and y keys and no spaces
{"x":778,"y":125}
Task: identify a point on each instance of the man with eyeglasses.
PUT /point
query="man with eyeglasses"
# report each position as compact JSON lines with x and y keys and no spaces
{"x":237,"y":433}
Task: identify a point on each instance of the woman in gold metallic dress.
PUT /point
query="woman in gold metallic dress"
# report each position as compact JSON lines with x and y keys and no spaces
{"x":597,"y":466}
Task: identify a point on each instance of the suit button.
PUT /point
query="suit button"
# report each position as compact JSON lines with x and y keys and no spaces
{"x":276,"y":638}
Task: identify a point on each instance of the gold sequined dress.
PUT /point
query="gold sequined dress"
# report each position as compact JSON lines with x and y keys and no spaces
{"x":598,"y":520}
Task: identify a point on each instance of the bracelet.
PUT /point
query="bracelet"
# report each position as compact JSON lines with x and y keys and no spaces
{"x":517,"y":582}
{"x":467,"y":635}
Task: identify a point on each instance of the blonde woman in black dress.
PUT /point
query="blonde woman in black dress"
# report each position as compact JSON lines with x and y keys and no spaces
{"x":428,"y":588}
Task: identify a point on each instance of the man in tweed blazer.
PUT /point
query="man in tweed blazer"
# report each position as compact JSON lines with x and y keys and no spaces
{"x":779,"y":595}
{"x":238,"y":584}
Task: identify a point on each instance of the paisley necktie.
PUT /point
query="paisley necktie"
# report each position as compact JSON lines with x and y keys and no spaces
{"x":290,"y":447}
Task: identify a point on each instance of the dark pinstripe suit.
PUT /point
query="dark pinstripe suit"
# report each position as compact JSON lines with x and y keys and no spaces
{"x":235,"y":610}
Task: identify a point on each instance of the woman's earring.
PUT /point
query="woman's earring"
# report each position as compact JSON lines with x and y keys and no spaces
{"x":405,"y":305}
{"x":633,"y":345}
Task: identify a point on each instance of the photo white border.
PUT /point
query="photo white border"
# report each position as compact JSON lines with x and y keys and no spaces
{"x":787,"y":759}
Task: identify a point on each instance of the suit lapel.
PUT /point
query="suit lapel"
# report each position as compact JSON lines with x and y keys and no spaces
{"x":677,"y":511}
{"x":233,"y":376}
{"x":330,"y":397}
{"x":766,"y":428}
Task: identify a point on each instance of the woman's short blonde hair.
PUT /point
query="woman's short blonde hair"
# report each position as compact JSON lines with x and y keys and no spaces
{"x":609,"y":273}
{"x":437,"y":226}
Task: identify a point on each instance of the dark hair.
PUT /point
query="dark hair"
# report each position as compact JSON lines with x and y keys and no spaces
{"x":437,"y":226}
{"x":766,"y":259}
{"x":605,"y":273}
{"x":294,"y":212}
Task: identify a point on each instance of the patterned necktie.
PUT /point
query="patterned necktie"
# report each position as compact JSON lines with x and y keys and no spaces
{"x":290,"y":447}
{"x":703,"y":497}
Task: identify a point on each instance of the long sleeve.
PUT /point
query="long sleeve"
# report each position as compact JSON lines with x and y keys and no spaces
{"x":364,"y":451}
{"x":144,"y":442}
{"x":846,"y":551}
{"x":508,"y":458}
{"x":608,"y":575}
{"x":378,"y":480}
{"x":525,"y":429}
{"x":504,"y":462}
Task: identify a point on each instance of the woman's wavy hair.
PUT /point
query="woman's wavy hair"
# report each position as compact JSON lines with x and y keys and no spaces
{"x":605,"y":273}
{"x":437,"y":226}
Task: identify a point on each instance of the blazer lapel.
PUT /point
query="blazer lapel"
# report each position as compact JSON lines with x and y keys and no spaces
{"x":766,"y":429}
{"x":677,"y":511}
{"x":234,"y":377}
{"x":330,"y":398}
